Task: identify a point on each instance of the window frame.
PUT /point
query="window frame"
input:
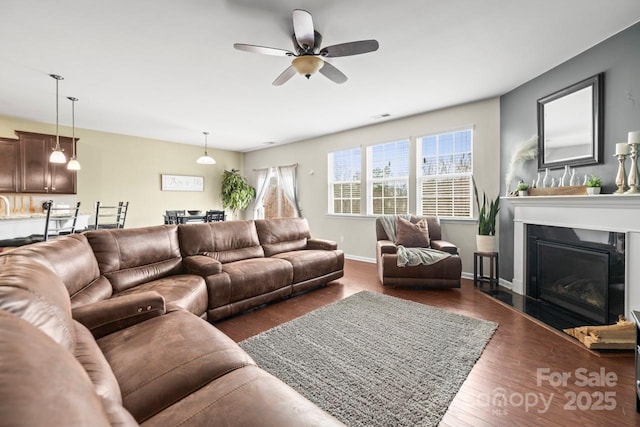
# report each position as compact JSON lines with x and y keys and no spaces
{"x":420,"y":178}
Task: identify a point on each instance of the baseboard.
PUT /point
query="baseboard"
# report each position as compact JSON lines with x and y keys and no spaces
{"x":507,"y":284}
{"x":360,"y":258}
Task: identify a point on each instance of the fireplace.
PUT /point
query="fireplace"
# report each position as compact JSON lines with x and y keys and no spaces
{"x":608,"y":213}
{"x":578,"y":271}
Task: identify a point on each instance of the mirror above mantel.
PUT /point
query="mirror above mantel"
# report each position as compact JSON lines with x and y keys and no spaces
{"x":570,"y":125}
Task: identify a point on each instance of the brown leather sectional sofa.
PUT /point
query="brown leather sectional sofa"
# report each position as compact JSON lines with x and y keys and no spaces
{"x":106,"y":327}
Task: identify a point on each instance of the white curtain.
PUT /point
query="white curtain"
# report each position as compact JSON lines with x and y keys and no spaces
{"x":287,"y":177}
{"x":262,"y":184}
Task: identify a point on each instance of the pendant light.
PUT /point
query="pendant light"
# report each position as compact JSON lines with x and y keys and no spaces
{"x":206,"y":159}
{"x":57,"y":155}
{"x":74,"y":164}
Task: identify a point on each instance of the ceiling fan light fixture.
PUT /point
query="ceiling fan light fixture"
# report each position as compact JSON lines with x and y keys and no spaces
{"x":205,"y":159}
{"x":307,"y":65}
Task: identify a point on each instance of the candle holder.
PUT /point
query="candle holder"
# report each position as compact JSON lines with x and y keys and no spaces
{"x":633,"y":173}
{"x":621,"y":176}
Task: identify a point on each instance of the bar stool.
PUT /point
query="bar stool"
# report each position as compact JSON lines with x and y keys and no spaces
{"x":478,"y":268}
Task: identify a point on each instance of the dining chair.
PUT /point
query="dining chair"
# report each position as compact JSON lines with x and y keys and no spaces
{"x":215,"y":216}
{"x":110,"y":216}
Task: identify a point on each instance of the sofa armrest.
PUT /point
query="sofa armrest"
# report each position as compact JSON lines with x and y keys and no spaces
{"x":322,"y":244}
{"x":110,"y":315}
{"x":202,"y":265}
{"x":444,"y":246}
{"x":386,"y":247}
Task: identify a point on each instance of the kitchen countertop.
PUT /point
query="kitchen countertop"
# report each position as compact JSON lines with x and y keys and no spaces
{"x":36,"y":216}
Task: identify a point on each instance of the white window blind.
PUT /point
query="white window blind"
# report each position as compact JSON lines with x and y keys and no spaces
{"x":444,"y":174}
{"x":388,"y":178}
{"x":344,"y":181}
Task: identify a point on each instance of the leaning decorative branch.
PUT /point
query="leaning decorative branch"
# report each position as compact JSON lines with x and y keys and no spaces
{"x":528,"y":151}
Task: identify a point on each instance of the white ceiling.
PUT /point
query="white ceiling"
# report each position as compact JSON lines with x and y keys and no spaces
{"x":166,"y":69}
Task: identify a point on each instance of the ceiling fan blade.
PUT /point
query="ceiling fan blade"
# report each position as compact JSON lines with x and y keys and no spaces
{"x":285,"y":76}
{"x":332,"y":73}
{"x":351,"y":48}
{"x":263,"y":50}
{"x":303,"y":29}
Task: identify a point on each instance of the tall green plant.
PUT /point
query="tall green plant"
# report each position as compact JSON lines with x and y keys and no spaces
{"x":486,"y":217}
{"x":236,"y":194}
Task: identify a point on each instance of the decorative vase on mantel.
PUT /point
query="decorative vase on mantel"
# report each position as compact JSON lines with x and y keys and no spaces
{"x":486,"y":243}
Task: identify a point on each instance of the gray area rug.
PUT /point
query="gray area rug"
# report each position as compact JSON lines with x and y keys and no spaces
{"x":375,"y":360}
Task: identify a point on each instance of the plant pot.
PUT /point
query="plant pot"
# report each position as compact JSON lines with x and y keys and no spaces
{"x":593,"y":190}
{"x":523,"y":193}
{"x":485,"y":243}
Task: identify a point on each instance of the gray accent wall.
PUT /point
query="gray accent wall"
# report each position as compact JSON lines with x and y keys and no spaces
{"x":619,"y":59}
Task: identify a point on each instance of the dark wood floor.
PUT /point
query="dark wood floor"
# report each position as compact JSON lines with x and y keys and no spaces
{"x":502,"y":389}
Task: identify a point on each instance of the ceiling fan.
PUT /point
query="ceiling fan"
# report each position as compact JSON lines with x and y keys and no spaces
{"x":307,"y":54}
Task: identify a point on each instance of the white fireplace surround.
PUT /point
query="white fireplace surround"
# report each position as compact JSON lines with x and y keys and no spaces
{"x":612,"y":213}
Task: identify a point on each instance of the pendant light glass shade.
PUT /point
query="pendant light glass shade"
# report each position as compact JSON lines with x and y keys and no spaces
{"x":206,"y":159}
{"x":57,"y":155}
{"x":74,"y":164}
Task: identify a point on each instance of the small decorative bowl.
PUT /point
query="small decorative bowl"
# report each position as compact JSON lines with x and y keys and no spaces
{"x":194,"y":212}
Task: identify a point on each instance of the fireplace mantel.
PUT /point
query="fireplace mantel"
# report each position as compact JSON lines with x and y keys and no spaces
{"x":617,"y":213}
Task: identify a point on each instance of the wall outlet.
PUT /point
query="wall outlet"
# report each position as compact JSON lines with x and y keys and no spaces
{"x":341,"y":239}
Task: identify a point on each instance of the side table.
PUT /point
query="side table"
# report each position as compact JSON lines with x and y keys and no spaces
{"x":478,"y":268}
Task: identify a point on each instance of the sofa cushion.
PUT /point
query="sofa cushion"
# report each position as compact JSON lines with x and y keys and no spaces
{"x":245,"y":397}
{"x":36,"y":294}
{"x":248,"y":278}
{"x":308,"y":264}
{"x":88,"y":354}
{"x":72,"y":258}
{"x":184,"y":291}
{"x":226,"y":241}
{"x":164,"y":359}
{"x":44,"y":385}
{"x":413,"y":235}
{"x":130,"y":257}
{"x":282,"y":234}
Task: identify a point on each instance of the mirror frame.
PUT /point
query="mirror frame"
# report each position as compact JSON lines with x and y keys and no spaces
{"x":597,"y":124}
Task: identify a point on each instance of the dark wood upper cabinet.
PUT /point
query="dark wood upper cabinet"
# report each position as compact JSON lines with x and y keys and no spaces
{"x":9,"y":165}
{"x":37,"y":174}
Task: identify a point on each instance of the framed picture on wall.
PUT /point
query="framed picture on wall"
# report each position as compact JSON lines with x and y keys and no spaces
{"x":181,"y":183}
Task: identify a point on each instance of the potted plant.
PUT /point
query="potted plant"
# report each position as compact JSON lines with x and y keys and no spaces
{"x":594,"y":184}
{"x":486,"y":237}
{"x":236,"y":193}
{"x":522,"y":189}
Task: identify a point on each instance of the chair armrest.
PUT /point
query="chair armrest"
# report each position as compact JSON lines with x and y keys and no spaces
{"x":111,"y":315}
{"x":444,"y":246}
{"x":323,"y":244}
{"x":386,"y":247}
{"x":202,"y":265}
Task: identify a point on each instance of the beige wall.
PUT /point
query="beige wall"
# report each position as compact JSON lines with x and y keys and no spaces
{"x":356,"y":235}
{"x":128,"y":168}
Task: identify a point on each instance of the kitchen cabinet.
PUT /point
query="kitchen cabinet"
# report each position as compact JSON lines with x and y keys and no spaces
{"x":9,"y":165}
{"x":37,"y":174}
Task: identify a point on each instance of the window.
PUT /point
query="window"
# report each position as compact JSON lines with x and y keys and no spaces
{"x":344,"y":181}
{"x":444,"y":174}
{"x":272,"y":200}
{"x":388,"y":178}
